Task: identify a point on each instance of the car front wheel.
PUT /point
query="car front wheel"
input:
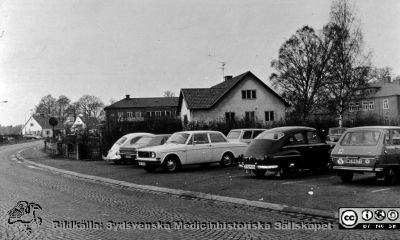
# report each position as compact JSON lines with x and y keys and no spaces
{"x":290,"y":171}
{"x":170,"y":165}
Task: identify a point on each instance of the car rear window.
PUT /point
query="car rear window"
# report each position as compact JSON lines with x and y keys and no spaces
{"x":361,"y":138}
{"x":271,"y":135}
{"x":144,"y":140}
{"x":337,"y":130}
{"x":233,"y":135}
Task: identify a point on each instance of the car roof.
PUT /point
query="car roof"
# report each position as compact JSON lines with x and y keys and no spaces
{"x":374,"y":127}
{"x":200,"y":131}
{"x":290,"y":128}
{"x":252,"y":129}
{"x":162,"y":135}
{"x":138,"y":134}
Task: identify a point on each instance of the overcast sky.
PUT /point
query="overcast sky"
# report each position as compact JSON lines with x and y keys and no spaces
{"x":143,"y":48}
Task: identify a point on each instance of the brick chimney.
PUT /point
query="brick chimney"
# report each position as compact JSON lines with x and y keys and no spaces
{"x":127,"y":96}
{"x":228,"y":77}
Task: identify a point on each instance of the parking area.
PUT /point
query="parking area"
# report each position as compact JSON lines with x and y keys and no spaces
{"x":320,"y":190}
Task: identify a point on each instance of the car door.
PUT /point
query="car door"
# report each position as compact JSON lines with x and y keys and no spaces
{"x":297,"y":143}
{"x":218,"y":146}
{"x":317,"y":150}
{"x":199,"y":149}
{"x":392,"y":146}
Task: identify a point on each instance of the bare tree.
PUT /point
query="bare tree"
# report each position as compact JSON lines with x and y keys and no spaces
{"x":349,"y":67}
{"x":47,"y":106}
{"x":169,"y":94}
{"x":302,"y":69}
{"x":89,"y":105}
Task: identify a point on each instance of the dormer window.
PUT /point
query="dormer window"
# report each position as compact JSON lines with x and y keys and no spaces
{"x":249,"y":94}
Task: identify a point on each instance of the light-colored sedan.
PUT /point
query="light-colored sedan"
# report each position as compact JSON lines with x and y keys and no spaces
{"x":190,"y":147}
{"x":113,"y":154}
{"x":244,"y":135}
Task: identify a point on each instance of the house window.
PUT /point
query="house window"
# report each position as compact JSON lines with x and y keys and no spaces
{"x":365,"y":106}
{"x":130,"y":115}
{"x":31,"y":124}
{"x":357,"y":107}
{"x":185,"y":119}
{"x":158,"y":114}
{"x":138,"y":114}
{"x":351,"y":107}
{"x":168,"y":113}
{"x":371,"y":105}
{"x":249,"y":94}
{"x":358,"y":92}
{"x":229,"y":116}
{"x":249,"y":116}
{"x":385,"y":104}
{"x":47,"y":132}
{"x":269,"y":116}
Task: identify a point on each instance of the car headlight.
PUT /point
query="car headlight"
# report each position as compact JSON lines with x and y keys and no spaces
{"x":153,"y":155}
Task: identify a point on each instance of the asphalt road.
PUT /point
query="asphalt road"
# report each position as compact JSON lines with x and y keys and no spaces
{"x":69,"y":199}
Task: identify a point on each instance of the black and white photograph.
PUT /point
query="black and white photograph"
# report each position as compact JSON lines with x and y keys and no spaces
{"x":199,"y":119}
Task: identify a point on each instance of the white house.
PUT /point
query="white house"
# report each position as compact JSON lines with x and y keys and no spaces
{"x":242,"y":97}
{"x":84,"y":123}
{"x":39,"y":126}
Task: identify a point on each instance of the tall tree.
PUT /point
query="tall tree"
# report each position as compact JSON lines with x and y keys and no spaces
{"x":47,"y":106}
{"x":301,"y":70}
{"x":349,"y":66}
{"x":90,"y":106}
{"x":62,"y":106}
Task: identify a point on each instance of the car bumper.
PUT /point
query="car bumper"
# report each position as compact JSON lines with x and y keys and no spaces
{"x":357,"y":169}
{"x":258,"y":167}
{"x":149,"y":161}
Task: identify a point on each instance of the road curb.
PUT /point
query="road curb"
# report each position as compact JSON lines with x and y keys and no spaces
{"x":191,"y":194}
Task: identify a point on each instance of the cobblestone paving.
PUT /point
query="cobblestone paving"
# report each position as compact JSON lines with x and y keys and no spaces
{"x":67,"y":198}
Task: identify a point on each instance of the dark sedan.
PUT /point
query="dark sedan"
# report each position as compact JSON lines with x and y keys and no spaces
{"x":286,"y":150}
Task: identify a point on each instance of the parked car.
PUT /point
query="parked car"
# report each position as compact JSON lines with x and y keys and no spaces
{"x":129,"y":152}
{"x":190,"y":147}
{"x":335,"y":133}
{"x":243,"y":135}
{"x":128,"y":139}
{"x":368,"y":150}
{"x":31,"y":137}
{"x":286,"y":150}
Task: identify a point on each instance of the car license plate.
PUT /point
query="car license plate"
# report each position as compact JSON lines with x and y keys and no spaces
{"x":353,"y":161}
{"x":142,"y":164}
{"x":128,"y":156}
{"x":247,"y":166}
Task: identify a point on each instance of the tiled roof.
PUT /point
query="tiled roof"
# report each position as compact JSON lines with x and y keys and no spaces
{"x":145,"y":102}
{"x":44,"y":122}
{"x":386,"y":89}
{"x":204,"y":98}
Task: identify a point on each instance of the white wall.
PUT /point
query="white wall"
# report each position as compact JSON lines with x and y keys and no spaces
{"x":32,"y":127}
{"x":185,"y":111}
{"x":233,"y":102}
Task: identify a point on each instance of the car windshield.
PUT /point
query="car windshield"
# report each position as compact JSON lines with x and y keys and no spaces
{"x":233,"y":135}
{"x":361,"y":138}
{"x":121,"y":141}
{"x":270,"y":135}
{"x":178,"y":138}
{"x":144,"y":140}
{"x":337,"y":130}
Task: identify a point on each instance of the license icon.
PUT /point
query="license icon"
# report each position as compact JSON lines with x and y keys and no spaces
{"x":392,"y":215}
{"x":367,"y":215}
{"x":349,"y":218}
{"x":380,"y":215}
